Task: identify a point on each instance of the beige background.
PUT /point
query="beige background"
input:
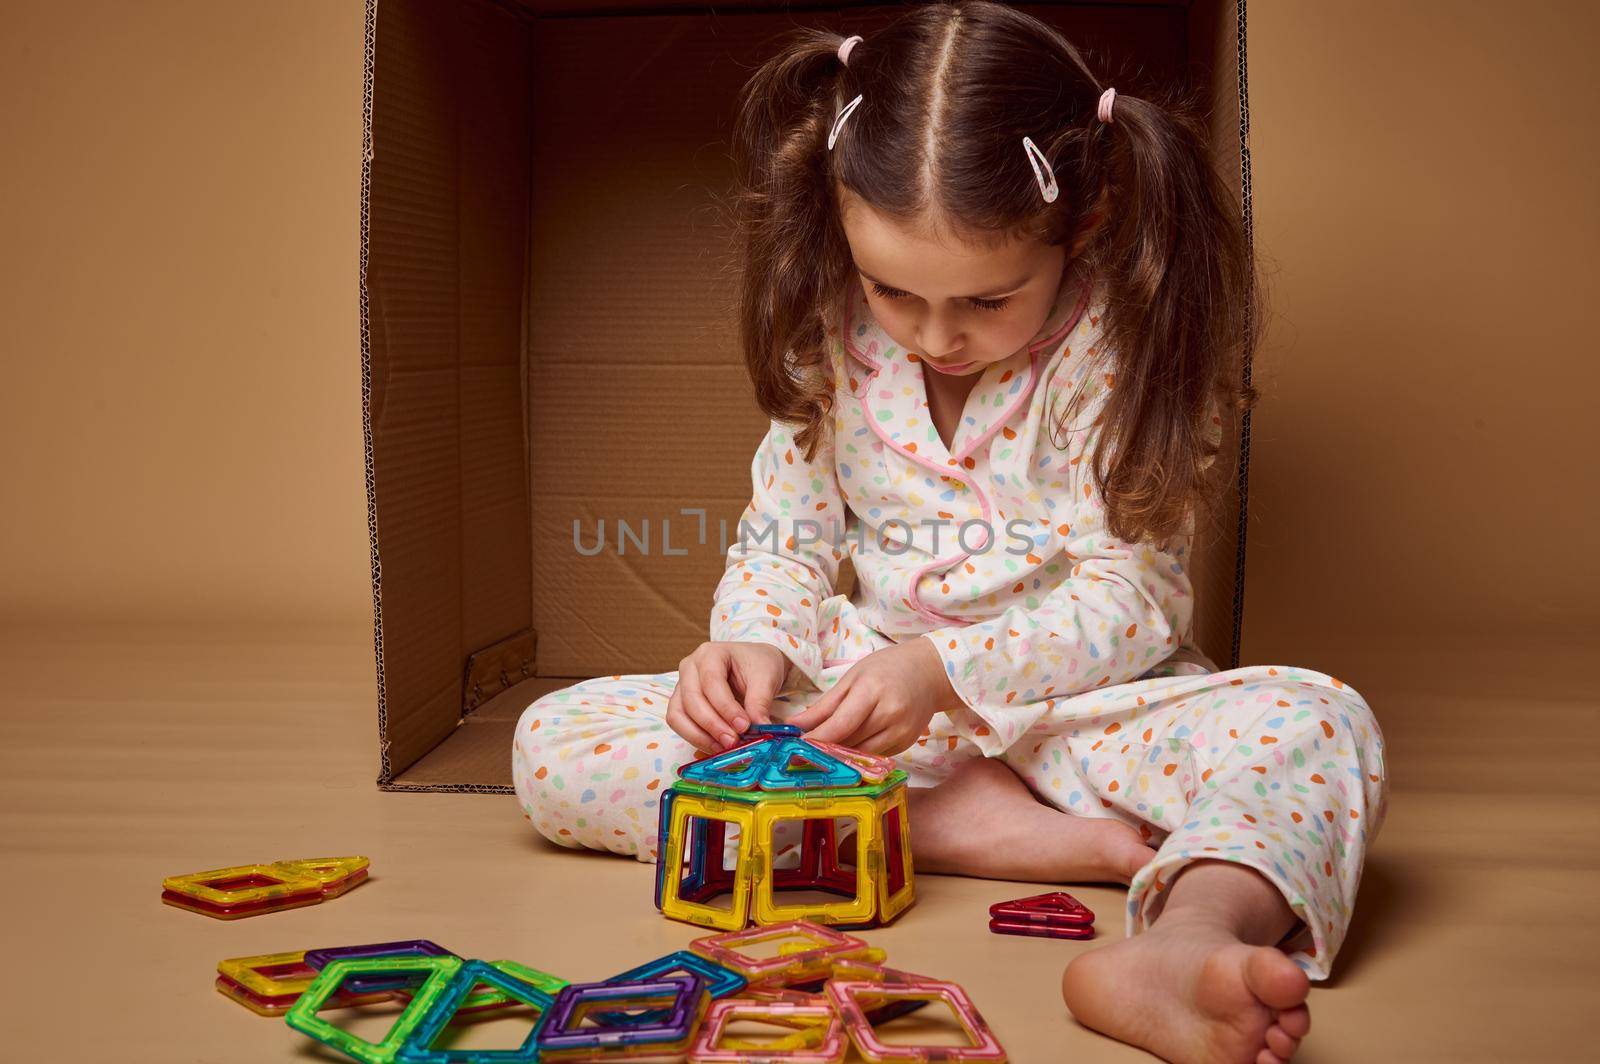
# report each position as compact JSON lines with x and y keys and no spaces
{"x":185,"y":665}
{"x":1421,"y":494}
{"x":182,"y":420}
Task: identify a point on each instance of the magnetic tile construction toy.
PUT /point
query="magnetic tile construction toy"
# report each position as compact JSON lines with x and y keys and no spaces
{"x":818,"y":1036}
{"x":1053,"y":915}
{"x":436,"y":974}
{"x":853,"y":999}
{"x":805,"y":952}
{"x":488,"y":997}
{"x":720,"y":982}
{"x":810,"y":976}
{"x":683,"y":1005}
{"x":683,"y":998}
{"x":251,"y":890}
{"x":359,"y":984}
{"x":270,"y":983}
{"x":872,"y":970}
{"x":417,"y":1048}
{"x":808,"y":955}
{"x":336,"y":874}
{"x":774,"y":776}
{"x":793,"y":997}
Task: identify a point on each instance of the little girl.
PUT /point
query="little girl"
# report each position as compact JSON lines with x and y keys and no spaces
{"x":995,"y":313}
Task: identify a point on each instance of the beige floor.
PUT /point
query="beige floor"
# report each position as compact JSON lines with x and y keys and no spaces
{"x":130,"y":755}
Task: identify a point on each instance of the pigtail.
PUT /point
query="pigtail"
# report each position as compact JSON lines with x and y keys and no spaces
{"x":1180,"y":282}
{"x":791,"y":278}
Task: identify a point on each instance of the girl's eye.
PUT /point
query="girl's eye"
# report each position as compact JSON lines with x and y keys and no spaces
{"x":981,"y":304}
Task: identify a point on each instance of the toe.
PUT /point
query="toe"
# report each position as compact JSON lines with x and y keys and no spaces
{"x":1295,"y":1022}
{"x":1280,"y":1042}
{"x":1267,"y":1056}
{"x":1275,"y":980}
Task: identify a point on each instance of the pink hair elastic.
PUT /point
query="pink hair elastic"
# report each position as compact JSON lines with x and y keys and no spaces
{"x":1043,"y":173}
{"x":845,"y":48}
{"x":1107,"y":98}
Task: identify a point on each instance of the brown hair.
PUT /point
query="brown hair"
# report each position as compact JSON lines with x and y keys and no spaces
{"x":949,"y":90}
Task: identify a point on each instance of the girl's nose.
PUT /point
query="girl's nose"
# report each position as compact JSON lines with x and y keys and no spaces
{"x":939,"y":338}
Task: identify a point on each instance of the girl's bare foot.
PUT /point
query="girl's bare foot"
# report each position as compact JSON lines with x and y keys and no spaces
{"x":983,"y":821}
{"x":1189,"y":989}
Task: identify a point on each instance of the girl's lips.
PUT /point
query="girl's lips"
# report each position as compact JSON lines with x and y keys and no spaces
{"x":953,"y":367}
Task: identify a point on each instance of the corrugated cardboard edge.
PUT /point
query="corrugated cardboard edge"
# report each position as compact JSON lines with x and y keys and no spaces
{"x":386,"y":776}
{"x":368,"y":75}
{"x":1250,"y":310}
{"x":445,"y":788}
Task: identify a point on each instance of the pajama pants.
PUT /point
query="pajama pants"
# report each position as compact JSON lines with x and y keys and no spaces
{"x":1280,"y":769}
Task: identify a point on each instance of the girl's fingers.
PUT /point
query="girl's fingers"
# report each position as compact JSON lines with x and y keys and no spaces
{"x":874,"y":722}
{"x":844,"y":721}
{"x":693,"y":735}
{"x":759,"y":684}
{"x":887,"y":741}
{"x":714,"y":685}
{"x":700,"y":712}
{"x":823,"y":707}
{"x":679,"y":722}
{"x":872,"y":744}
{"x":875,"y":719}
{"x":758,"y":700}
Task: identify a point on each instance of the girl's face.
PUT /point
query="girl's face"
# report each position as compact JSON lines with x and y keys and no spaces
{"x":957,"y":307}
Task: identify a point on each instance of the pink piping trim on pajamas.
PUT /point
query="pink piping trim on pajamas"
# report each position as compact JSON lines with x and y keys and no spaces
{"x":927,"y":612}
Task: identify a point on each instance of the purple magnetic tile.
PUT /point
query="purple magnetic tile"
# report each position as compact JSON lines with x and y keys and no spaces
{"x":682,"y":1016}
{"x":415,"y":947}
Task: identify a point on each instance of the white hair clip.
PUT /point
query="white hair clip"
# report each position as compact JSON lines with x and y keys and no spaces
{"x":1042,"y":173}
{"x":844,"y":112}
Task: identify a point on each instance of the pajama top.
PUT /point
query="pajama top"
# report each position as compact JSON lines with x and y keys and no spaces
{"x":995,"y":548}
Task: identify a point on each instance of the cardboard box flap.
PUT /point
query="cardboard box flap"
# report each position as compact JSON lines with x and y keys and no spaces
{"x":444,"y":243}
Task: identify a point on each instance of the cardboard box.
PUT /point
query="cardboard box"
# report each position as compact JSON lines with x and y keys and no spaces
{"x":547,"y":340}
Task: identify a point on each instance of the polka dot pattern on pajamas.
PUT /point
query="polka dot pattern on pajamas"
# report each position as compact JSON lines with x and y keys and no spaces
{"x":1071,"y":650}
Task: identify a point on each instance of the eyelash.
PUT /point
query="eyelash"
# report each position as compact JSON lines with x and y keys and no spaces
{"x":981,"y":304}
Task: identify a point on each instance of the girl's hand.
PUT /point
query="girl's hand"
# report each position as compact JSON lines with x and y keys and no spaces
{"x":884,"y":702}
{"x":722,"y":689}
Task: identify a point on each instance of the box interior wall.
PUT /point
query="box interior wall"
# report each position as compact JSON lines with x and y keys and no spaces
{"x":548,"y":342}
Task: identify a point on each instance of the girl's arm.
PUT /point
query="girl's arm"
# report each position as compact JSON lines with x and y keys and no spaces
{"x":785,"y":555}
